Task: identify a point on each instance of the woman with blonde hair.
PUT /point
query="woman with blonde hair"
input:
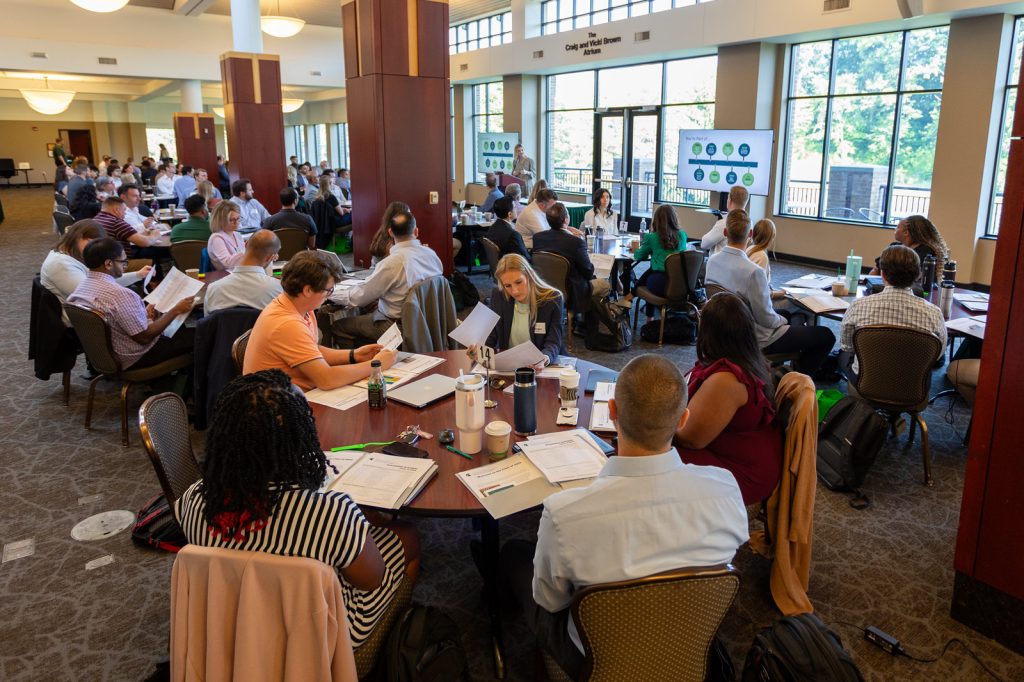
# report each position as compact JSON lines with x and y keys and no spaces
{"x":380,"y":245}
{"x":528,"y":310}
{"x":762,"y":240}
{"x":225,"y":247}
{"x":206,"y":191}
{"x":537,"y":186}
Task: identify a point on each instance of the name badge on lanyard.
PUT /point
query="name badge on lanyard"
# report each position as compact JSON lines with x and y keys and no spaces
{"x":540,"y":328}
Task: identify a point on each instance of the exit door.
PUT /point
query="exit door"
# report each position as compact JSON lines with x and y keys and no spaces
{"x":626,"y":160}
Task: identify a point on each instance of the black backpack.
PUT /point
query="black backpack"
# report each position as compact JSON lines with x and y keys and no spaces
{"x":607,"y":327}
{"x":464,"y":291}
{"x":424,"y":646}
{"x":849,"y":439}
{"x":679,"y":329}
{"x":156,"y":527}
{"x":799,"y":649}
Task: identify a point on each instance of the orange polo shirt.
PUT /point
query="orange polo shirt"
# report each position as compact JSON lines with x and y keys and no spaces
{"x":283,"y":339}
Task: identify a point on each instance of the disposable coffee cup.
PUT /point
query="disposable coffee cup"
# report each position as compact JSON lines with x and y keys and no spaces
{"x":193,"y":273}
{"x":839,"y":289}
{"x":634,"y":245}
{"x":568,"y":387}
{"x":498,"y":436}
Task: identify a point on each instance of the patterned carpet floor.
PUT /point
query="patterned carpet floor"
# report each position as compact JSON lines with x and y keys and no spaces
{"x":889,"y":565}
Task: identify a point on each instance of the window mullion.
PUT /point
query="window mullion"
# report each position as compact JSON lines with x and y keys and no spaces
{"x":895,"y":137}
{"x":828,"y":132}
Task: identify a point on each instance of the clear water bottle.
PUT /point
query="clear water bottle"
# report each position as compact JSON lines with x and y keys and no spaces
{"x":376,"y":388}
{"x":643,"y":226}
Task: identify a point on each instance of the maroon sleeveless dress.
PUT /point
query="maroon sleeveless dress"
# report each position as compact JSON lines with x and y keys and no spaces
{"x":750,"y":446}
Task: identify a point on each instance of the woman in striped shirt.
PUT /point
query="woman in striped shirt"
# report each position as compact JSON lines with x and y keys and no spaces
{"x":260,"y":492}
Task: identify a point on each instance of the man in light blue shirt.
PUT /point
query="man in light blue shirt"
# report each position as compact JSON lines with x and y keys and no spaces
{"x":252,"y":212}
{"x":493,"y":193}
{"x":733,"y":271}
{"x":185,"y":185}
{"x":686,"y":515}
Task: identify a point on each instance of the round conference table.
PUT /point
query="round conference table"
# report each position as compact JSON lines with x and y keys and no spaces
{"x":445,"y":495}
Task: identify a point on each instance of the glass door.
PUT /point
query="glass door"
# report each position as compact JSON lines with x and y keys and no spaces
{"x":626,"y":160}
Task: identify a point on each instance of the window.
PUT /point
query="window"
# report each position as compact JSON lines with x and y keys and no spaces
{"x":684,"y":89}
{"x":294,"y":143}
{"x":339,"y":145}
{"x":320,"y":137}
{"x":561,"y":15}
{"x":488,"y":115}
{"x":863,"y":114}
{"x":480,"y":33}
{"x":1009,"y":103}
{"x":156,"y":136}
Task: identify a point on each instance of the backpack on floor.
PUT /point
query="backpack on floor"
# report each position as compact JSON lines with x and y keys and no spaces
{"x":424,"y":646}
{"x":155,"y":526}
{"x":849,"y":438}
{"x":606,"y":327}
{"x":463,"y":290}
{"x":799,"y":649}
{"x":679,"y":330}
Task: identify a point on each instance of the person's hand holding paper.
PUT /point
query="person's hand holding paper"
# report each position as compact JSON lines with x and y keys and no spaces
{"x":474,"y":330}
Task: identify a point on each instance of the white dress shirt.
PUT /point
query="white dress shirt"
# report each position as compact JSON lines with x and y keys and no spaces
{"x":610,"y":223}
{"x":135,"y":219}
{"x":640,"y":516}
{"x":408,"y":263}
{"x":253,"y":213}
{"x":531,"y":221}
{"x":733,"y":271}
{"x":246,"y":285}
{"x":165,"y":185}
{"x":714,"y":241}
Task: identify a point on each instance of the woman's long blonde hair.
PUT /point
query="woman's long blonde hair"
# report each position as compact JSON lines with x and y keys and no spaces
{"x":219,"y":217}
{"x":324,"y":190}
{"x":540,"y":292}
{"x":205,"y":190}
{"x":762,"y":237}
{"x":537,"y":186}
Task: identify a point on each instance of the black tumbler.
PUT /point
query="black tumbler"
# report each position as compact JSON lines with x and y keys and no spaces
{"x":524,"y":394}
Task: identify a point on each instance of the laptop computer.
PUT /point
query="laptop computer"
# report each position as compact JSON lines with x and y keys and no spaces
{"x":333,"y":258}
{"x":423,"y":392}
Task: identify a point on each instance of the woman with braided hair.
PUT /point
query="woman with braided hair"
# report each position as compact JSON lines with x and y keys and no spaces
{"x":923,"y":237}
{"x":260,"y":492}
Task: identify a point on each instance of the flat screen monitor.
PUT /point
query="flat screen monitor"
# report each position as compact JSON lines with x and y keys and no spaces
{"x":718,"y":159}
{"x":495,"y":152}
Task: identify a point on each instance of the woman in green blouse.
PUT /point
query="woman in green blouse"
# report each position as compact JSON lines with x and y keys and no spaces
{"x":665,"y":238}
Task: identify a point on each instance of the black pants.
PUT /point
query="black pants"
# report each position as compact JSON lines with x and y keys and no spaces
{"x":549,"y":629}
{"x":182,"y":343}
{"x":846,"y":358}
{"x":813,"y":343}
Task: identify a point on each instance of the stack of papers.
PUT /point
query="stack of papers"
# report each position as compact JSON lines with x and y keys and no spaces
{"x":341,"y":398}
{"x":603,"y":263}
{"x":816,"y":301}
{"x":976,"y":302}
{"x":508,"y":486}
{"x":508,"y":361}
{"x":409,"y":366}
{"x":811,"y":282}
{"x":600,"y":418}
{"x":378,"y":480}
{"x":174,"y":287}
{"x":969,"y":326}
{"x":564,"y":455}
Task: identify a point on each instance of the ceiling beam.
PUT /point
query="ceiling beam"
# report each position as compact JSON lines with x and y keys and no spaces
{"x":158,"y":88}
{"x":191,"y":8}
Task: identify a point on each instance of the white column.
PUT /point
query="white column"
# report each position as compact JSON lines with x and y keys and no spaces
{"x":245,"y":26}
{"x":192,"y":96}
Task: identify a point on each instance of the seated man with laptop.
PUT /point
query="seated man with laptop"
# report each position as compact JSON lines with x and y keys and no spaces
{"x":286,"y":335}
{"x":687,"y":515}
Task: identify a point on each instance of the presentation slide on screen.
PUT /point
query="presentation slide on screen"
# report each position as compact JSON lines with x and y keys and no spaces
{"x":496,"y":151}
{"x":718,"y":159}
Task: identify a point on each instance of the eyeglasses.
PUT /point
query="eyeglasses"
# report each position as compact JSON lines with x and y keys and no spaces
{"x":122,"y":261}
{"x":327,"y":292}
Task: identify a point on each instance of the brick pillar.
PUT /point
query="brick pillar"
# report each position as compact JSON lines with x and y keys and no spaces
{"x":396,"y":68}
{"x":196,"y":138}
{"x":255,"y":123}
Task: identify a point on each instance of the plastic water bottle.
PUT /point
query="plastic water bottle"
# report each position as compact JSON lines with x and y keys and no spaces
{"x":154,"y":207}
{"x":643,"y":226}
{"x":376,"y":388}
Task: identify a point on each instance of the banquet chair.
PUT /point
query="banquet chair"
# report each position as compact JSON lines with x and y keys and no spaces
{"x":493,"y":254}
{"x":238,"y":350}
{"x":94,"y":335}
{"x":632,"y":630}
{"x":682,"y":268}
{"x":554,"y":270}
{"x":188,"y":254}
{"x":163,"y":421}
{"x":62,"y":221}
{"x":293,"y":241}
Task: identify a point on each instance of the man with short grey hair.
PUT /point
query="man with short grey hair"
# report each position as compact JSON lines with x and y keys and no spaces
{"x":248,"y":284}
{"x":687,"y":515}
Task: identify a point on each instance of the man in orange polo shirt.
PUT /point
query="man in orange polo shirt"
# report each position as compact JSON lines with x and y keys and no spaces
{"x":286,"y":336}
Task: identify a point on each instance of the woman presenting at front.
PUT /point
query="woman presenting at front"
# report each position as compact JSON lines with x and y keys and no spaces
{"x":527,"y":308}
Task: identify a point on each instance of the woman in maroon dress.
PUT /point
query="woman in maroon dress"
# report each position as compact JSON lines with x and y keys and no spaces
{"x":732,"y":411}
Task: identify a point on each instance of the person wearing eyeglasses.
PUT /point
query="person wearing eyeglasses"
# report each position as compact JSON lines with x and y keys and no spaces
{"x":286,"y":335}
{"x":136,"y":329}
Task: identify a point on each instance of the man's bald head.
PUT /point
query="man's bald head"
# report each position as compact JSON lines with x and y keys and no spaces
{"x":262,"y":245}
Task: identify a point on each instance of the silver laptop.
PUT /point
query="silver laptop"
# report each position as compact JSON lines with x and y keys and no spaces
{"x":423,"y":392}
{"x":333,"y":258}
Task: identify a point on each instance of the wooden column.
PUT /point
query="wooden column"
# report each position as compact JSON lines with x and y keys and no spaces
{"x":196,"y":140}
{"x":255,"y":123}
{"x":396,"y":68}
{"x":988,"y":592}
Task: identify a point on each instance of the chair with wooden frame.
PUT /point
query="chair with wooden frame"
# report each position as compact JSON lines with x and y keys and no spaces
{"x":554,"y":270}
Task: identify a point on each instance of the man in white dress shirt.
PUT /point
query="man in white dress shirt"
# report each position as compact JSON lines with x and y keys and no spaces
{"x":408,"y":263}
{"x":715,"y":240}
{"x":132,"y":198}
{"x":165,"y":180}
{"x":534,"y":219}
{"x":248,"y":284}
{"x":645,"y":513}
{"x":253,"y":213}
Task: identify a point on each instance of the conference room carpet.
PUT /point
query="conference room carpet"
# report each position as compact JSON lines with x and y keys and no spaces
{"x":889,"y":565}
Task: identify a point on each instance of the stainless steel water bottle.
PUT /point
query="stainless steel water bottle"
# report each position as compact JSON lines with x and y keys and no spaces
{"x":524,"y":394}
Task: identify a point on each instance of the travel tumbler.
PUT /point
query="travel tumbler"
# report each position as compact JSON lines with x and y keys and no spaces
{"x":524,"y":393}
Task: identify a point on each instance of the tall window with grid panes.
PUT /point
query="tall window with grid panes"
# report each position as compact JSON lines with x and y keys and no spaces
{"x":565,"y":15}
{"x":479,"y":33}
{"x":1009,"y":105}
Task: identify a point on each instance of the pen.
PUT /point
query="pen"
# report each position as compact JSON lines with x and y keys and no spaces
{"x":458,"y":452}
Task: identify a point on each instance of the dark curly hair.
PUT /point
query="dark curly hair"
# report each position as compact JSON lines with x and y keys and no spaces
{"x":262,"y":440}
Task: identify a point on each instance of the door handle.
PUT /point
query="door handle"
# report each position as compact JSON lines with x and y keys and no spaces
{"x":628,"y":182}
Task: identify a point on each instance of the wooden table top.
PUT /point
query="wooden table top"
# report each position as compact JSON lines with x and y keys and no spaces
{"x":445,"y":495}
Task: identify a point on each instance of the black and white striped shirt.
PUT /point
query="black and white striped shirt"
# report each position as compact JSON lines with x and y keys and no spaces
{"x":326,"y":526}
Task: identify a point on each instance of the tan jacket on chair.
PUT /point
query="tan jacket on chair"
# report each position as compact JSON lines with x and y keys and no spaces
{"x":427,"y":316}
{"x":791,"y":506}
{"x":257,"y":617}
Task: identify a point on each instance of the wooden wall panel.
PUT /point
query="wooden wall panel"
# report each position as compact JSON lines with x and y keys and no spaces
{"x":394,"y":27}
{"x":433,"y":38}
{"x":370,"y":38}
{"x":195,"y":136}
{"x":366,"y":148}
{"x":350,"y":39}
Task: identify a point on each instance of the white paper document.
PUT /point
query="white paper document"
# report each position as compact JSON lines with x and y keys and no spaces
{"x":970,"y":326}
{"x":564,"y":456}
{"x":816,"y":301}
{"x":975,"y":305}
{"x":474,"y":330}
{"x":603,"y":263}
{"x":604,"y":391}
{"x":405,"y":370}
{"x":600,"y":418}
{"x":341,"y":462}
{"x":174,"y":287}
{"x":392,"y":338}
{"x":340,"y":398}
{"x":385,"y":481}
{"x":812,"y":282}
{"x":508,"y":486}
{"x":148,"y":279}
{"x":523,"y":355}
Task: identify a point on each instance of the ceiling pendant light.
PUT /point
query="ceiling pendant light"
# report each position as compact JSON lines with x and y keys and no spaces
{"x":218,"y":110}
{"x":101,"y":5}
{"x":48,"y":102}
{"x":290,"y":105}
{"x":277,"y":25}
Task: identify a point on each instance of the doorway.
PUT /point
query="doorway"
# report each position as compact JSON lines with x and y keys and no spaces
{"x":627,"y":159}
{"x":79,"y":143}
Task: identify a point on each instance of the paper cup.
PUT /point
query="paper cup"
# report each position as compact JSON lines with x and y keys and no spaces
{"x":193,"y":273}
{"x":839,"y":289}
{"x":498,"y":436}
{"x":568,"y":387}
